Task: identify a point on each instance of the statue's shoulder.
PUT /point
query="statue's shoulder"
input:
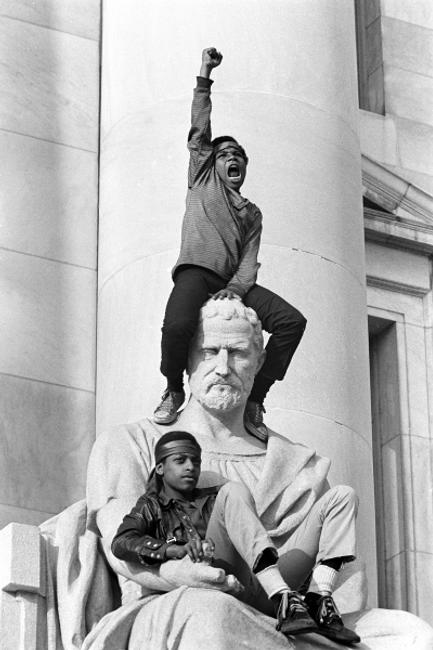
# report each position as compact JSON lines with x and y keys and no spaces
{"x":141,"y":431}
{"x":279,"y":443}
{"x":120,"y":462}
{"x":284,"y":440}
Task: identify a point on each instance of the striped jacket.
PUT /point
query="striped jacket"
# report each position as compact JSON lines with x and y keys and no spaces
{"x":221,"y":230}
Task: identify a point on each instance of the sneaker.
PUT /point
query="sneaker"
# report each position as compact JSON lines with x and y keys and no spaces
{"x":330,"y":624}
{"x":166,"y":411}
{"x":293,"y":616}
{"x":253,"y":420}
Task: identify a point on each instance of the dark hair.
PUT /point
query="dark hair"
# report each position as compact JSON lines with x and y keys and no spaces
{"x":229,"y":138}
{"x":154,"y":484}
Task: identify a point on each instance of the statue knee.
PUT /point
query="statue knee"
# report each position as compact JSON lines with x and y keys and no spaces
{"x":218,"y":603}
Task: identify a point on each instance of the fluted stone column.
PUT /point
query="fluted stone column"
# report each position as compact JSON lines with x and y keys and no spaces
{"x":287,"y":90}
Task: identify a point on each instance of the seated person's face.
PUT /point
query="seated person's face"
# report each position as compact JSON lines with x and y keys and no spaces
{"x":223,"y":363}
{"x":181,"y":471}
{"x":230,"y":164}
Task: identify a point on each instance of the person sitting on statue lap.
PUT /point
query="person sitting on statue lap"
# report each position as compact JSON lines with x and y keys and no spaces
{"x":220,"y":241}
{"x":174,"y":518}
{"x":184,"y":604}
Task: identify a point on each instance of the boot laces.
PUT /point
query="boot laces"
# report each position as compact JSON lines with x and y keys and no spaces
{"x":329,"y":612}
{"x":295,"y":604}
{"x":167,"y":401}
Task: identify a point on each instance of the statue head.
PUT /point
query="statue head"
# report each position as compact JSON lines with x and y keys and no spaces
{"x":225,"y":355}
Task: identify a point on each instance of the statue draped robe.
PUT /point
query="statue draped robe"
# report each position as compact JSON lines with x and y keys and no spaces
{"x":158,"y":611}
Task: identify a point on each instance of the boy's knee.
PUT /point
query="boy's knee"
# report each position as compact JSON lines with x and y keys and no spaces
{"x":299,"y":322}
{"x":302,"y":322}
{"x":346,"y":494}
{"x":234,"y":490}
{"x":291,"y":320}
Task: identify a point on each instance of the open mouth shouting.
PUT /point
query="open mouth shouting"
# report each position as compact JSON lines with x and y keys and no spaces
{"x":230,"y":165}
{"x":234,"y":174}
{"x":234,"y":171}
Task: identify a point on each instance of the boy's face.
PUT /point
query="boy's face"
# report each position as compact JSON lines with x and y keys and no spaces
{"x":230,"y":164}
{"x":180,"y":472}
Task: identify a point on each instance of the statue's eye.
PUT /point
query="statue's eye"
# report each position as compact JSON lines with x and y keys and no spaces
{"x":238,"y":352}
{"x":208,"y":353}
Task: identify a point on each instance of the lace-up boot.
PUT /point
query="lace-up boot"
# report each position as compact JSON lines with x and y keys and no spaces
{"x":330,"y":624}
{"x":293,"y":616}
{"x":166,"y":411}
{"x":253,"y":420}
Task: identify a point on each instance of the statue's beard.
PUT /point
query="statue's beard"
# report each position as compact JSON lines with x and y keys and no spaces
{"x":221,"y":397}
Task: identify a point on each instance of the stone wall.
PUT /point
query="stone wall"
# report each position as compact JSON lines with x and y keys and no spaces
{"x":49,"y":107}
{"x":399,"y":272}
{"x":403,"y":137}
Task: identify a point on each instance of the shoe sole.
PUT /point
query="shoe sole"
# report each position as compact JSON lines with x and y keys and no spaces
{"x":253,"y":431}
{"x":332,"y":637}
{"x":159,"y":420}
{"x":298,"y":630}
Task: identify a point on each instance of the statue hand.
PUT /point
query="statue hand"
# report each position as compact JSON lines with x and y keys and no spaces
{"x":234,"y":587}
{"x":198,"y":574}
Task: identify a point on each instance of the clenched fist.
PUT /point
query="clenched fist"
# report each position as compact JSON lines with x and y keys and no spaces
{"x":210,"y":59}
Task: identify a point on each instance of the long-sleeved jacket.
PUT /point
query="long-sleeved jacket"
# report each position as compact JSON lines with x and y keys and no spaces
{"x":221,"y":230}
{"x":156,"y":520}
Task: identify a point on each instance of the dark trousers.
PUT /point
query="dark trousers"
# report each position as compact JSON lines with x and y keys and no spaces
{"x":193,"y":286}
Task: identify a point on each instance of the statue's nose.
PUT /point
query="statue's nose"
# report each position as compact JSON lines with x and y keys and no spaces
{"x":222,"y":362}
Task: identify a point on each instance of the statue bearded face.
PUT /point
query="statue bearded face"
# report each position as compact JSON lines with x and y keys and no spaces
{"x":223,"y":363}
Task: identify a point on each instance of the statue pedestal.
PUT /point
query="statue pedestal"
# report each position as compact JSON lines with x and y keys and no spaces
{"x":22,"y":584}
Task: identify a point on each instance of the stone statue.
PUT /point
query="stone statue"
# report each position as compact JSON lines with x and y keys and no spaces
{"x":62,"y":588}
{"x":185,"y":605}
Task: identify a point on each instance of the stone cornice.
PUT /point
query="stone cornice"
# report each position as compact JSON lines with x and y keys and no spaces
{"x":397,"y":231}
{"x":390,"y":191}
{"x":397,"y":287}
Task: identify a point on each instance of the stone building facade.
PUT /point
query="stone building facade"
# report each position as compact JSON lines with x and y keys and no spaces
{"x":94,"y":113}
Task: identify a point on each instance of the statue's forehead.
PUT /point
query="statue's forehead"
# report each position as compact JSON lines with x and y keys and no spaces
{"x":219,"y":329}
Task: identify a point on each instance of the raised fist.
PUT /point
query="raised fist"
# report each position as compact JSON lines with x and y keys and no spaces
{"x":211,"y":57}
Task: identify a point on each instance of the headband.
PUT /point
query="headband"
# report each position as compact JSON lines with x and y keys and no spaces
{"x":176,"y":447}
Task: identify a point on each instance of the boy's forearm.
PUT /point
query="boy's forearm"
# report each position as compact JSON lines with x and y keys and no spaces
{"x":200,"y":133}
{"x":205,"y":71}
{"x":134,"y":545}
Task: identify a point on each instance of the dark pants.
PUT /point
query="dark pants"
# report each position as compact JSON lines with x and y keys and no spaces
{"x":193,"y":286}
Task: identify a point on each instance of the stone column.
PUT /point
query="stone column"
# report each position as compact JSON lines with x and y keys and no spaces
{"x":287,"y":90}
{"x":49,"y":97}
